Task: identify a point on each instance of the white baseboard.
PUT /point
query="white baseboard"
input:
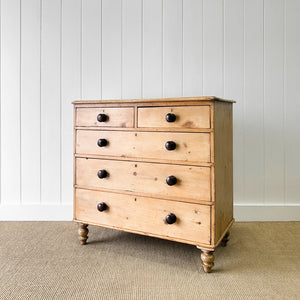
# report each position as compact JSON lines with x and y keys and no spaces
{"x":64,"y":212}
{"x":36,"y":212}
{"x":253,"y":213}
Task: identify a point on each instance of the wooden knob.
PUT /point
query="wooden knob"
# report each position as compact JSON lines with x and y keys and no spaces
{"x":102,"y":117}
{"x":102,"y":174}
{"x":170,"y":117}
{"x":170,"y":218}
{"x":170,"y":145}
{"x":101,"y":206}
{"x":102,"y":142}
{"x":171,"y":180}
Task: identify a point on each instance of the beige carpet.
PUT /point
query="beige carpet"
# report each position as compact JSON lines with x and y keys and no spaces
{"x":43,"y":260}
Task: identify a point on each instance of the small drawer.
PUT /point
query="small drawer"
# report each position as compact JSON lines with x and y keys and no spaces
{"x":180,"y":146}
{"x":144,"y":215}
{"x":181,"y":117}
{"x":174,"y":182}
{"x":105,"y":117}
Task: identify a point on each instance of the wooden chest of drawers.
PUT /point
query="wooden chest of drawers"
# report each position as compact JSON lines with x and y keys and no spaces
{"x":158,"y":167}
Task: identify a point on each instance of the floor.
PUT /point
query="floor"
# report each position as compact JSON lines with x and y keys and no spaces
{"x":44,"y":260}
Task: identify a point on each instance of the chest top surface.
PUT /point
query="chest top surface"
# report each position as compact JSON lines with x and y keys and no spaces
{"x":155,"y":100}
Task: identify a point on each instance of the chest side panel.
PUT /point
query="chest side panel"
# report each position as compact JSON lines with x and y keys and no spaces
{"x":223,"y":152}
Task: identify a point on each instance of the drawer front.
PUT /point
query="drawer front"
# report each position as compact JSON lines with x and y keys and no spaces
{"x":193,"y":183}
{"x":146,"y":215}
{"x":186,"y":117}
{"x":188,"y":146}
{"x":109,"y":117}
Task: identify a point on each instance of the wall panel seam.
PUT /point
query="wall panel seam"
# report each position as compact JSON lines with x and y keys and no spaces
{"x":162,"y":48}
{"x":202,"y":64}
{"x":223,"y":45}
{"x":0,"y":101}
{"x":263,"y":106}
{"x":81,"y":48}
{"x":122,"y":45}
{"x":244,"y":107}
{"x":101,"y":48}
{"x":41,"y":30}
{"x":142,"y":48}
{"x":182,"y":50}
{"x":60,"y":101}
{"x":284,"y":105}
{"x":20,"y":108}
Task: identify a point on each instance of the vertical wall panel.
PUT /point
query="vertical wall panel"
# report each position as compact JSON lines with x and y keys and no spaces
{"x":172,"y":48}
{"x":213,"y":45}
{"x":274,"y":105}
{"x":30,"y":101}
{"x":233,"y":84}
{"x":192,"y":48}
{"x":254,"y":103}
{"x":292,"y":107}
{"x":91,"y":49}
{"x":152,"y":48}
{"x":111,"y":49}
{"x":10,"y":102}
{"x":71,"y":83}
{"x":132,"y":49}
{"x":56,"y":51}
{"x":50,"y":101}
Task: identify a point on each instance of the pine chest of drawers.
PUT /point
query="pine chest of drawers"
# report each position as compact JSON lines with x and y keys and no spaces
{"x":158,"y":167}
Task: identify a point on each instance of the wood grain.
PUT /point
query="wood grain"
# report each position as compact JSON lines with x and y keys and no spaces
{"x":150,"y":178}
{"x":189,"y":146}
{"x":140,"y":180}
{"x":145,"y":215}
{"x":223,"y":168}
{"x":117,"y":117}
{"x":186,"y":117}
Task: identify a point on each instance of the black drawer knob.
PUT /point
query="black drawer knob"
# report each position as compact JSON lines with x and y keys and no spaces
{"x":171,"y":218}
{"x":101,"y":206}
{"x":171,"y":180}
{"x":102,"y":142}
{"x":170,"y":145}
{"x":102,"y":117}
{"x":170,"y":117}
{"x":102,"y":174}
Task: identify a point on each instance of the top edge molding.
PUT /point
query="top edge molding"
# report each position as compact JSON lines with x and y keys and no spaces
{"x":208,"y":98}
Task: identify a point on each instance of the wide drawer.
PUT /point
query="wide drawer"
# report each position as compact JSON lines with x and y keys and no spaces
{"x":188,"y":146}
{"x":193,"y":183}
{"x":144,"y":215}
{"x":188,"y":117}
{"x":105,"y":116}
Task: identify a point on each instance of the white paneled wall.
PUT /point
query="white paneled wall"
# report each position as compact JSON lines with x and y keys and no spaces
{"x":57,"y":51}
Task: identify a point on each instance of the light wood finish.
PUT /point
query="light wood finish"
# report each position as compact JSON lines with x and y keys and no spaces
{"x":186,"y":117}
{"x":223,"y":152}
{"x":158,"y":100}
{"x":145,"y":214}
{"x":148,"y":178}
{"x":190,"y":147}
{"x":135,"y":192}
{"x":117,"y":117}
{"x":83,"y":233}
{"x":207,"y":258}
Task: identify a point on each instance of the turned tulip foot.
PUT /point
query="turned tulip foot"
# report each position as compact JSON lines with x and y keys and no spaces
{"x":225,"y":239}
{"x":207,"y":258}
{"x":83,"y":233}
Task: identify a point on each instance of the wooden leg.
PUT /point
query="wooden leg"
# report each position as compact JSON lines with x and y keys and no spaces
{"x":207,"y":258}
{"x":225,"y":239}
{"x":83,"y":233}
